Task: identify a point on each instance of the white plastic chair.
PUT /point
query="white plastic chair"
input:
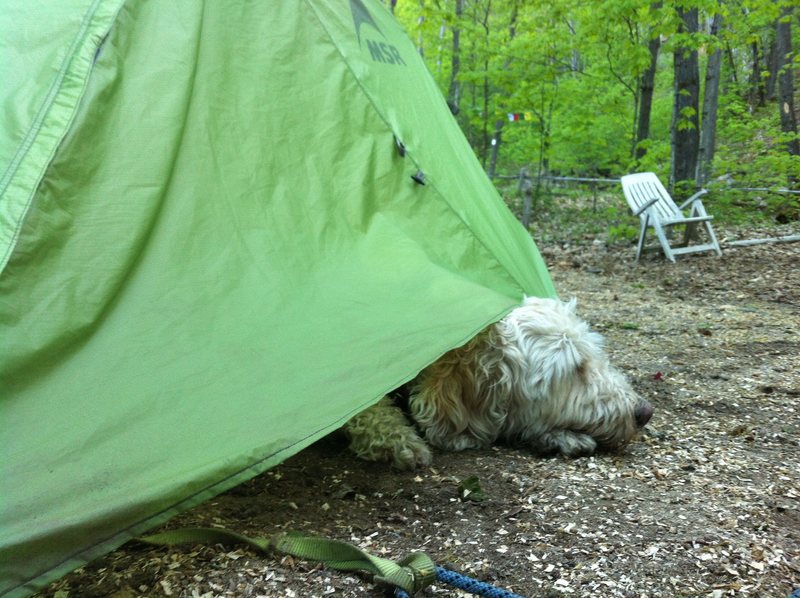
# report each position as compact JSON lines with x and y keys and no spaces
{"x":649,"y":200}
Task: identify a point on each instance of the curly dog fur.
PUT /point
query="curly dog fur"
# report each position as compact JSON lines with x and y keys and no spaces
{"x":538,"y":378}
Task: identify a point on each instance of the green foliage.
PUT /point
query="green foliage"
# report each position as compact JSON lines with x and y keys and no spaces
{"x":754,"y":156}
{"x":623,"y":233}
{"x":577,"y":68}
{"x":577,"y":214}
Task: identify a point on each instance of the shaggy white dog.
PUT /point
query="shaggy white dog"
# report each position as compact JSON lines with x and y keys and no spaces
{"x":538,"y":378}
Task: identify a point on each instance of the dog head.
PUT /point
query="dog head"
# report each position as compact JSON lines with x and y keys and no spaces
{"x":572,"y":384}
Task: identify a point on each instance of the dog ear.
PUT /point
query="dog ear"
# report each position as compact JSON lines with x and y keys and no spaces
{"x":566,"y":356}
{"x":570,"y":304}
{"x":559,"y":358}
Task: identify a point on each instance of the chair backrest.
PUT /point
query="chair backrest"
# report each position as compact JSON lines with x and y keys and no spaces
{"x":641,"y":187}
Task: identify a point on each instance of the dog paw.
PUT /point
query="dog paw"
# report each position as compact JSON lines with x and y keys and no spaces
{"x":566,"y":442}
{"x":412,"y":454}
{"x":381,"y":433}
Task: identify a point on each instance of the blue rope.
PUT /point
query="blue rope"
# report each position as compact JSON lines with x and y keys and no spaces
{"x":480,"y":588}
{"x":462,"y":582}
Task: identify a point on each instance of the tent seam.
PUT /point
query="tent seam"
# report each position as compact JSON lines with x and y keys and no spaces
{"x":73,"y":56}
{"x":175,"y":507}
{"x":409,"y":153}
{"x":128,"y":531}
{"x":256,"y":467}
{"x":27,"y":142}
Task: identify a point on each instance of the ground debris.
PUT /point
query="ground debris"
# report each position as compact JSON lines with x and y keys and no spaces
{"x":705,"y":504}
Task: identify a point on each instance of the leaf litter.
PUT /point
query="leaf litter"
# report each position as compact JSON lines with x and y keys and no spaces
{"x":705,"y":504}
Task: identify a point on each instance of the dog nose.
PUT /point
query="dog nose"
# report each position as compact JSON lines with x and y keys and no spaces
{"x":642,"y":414}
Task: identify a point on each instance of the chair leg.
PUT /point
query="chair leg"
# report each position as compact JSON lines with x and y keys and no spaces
{"x":689,"y":234}
{"x":662,"y":237}
{"x":713,"y":238}
{"x":642,"y":234}
{"x":691,"y":228}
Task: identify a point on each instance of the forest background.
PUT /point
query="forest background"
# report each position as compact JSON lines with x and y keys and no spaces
{"x":702,"y":92}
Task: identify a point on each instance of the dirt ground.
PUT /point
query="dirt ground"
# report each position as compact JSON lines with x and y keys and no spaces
{"x":706,"y":503}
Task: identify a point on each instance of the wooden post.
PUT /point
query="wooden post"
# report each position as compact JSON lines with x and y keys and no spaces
{"x":525,"y":188}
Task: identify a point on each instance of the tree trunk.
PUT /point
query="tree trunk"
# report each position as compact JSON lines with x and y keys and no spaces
{"x":420,"y":21}
{"x":646,"y":88}
{"x":783,"y":46}
{"x":498,"y":136}
{"x":756,"y":94}
{"x":770,"y":89}
{"x":485,"y":89}
{"x":731,"y":64}
{"x":708,"y":130}
{"x":544,"y":144}
{"x":488,"y":142}
{"x":685,"y":132}
{"x":454,"y":93}
{"x":498,"y":125}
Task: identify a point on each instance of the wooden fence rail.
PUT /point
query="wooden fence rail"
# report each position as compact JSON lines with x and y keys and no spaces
{"x":528,"y":186}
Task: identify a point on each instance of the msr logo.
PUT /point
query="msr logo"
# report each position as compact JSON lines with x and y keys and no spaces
{"x":382,"y":52}
{"x":379,"y":51}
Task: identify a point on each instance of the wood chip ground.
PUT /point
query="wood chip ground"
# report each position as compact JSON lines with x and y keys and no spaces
{"x":705,"y":504}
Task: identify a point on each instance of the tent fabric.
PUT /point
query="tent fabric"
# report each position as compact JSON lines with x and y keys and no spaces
{"x":213,"y":252}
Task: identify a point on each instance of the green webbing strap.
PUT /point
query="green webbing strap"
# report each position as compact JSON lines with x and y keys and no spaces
{"x":412,"y":573}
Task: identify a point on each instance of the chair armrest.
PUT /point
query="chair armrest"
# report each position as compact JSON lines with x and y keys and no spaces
{"x":692,"y":198}
{"x":645,"y":205}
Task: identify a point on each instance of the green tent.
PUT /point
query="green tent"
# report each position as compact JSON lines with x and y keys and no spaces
{"x":225,"y":228}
